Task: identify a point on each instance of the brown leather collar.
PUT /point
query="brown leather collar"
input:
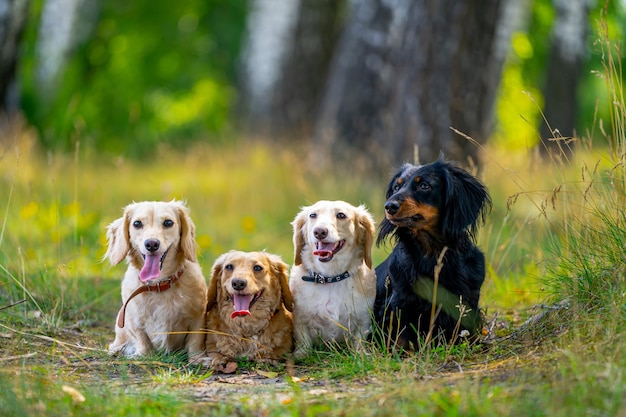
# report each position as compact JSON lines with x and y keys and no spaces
{"x":158,"y":287}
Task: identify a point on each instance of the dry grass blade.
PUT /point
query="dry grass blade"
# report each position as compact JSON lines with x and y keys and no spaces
{"x":17,"y":357}
{"x":12,"y":304}
{"x":433,"y":309}
{"x":52,"y":340}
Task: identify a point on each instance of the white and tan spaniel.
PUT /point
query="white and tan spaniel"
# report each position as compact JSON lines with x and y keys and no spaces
{"x":332,"y":280}
{"x":249,"y":309}
{"x":163,"y":290}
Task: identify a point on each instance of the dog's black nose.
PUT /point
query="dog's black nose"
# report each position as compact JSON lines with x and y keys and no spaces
{"x":392,"y":207}
{"x":320,"y":233}
{"x":239,"y":284}
{"x":152,"y":245}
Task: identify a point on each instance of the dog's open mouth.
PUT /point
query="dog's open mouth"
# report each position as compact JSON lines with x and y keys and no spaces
{"x":325,"y":251}
{"x":153,"y":263}
{"x":404,"y":221}
{"x":243,"y":302}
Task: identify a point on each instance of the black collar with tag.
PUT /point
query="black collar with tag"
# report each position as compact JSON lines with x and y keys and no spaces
{"x":321,"y":279}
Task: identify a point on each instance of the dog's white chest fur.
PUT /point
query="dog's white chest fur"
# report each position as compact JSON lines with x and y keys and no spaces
{"x":336,"y":311}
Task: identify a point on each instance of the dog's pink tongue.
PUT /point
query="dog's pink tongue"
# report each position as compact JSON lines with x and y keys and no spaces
{"x":242,"y":305}
{"x":324,"y":249}
{"x":151,"y":268}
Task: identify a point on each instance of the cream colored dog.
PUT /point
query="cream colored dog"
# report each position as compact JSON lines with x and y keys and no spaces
{"x":163,"y":291}
{"x":332,"y":280}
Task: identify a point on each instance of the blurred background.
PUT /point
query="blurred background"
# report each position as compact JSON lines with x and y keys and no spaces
{"x":349,"y":77}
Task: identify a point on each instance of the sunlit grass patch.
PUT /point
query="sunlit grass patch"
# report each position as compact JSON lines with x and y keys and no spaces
{"x":176,"y":377}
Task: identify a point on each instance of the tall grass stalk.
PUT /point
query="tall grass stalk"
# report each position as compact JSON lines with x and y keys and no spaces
{"x":8,"y":203}
{"x":612,"y":66}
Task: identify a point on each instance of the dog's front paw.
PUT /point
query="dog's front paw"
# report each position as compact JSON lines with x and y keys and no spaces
{"x":126,"y":351}
{"x":198,"y":358}
{"x":116,"y":351}
{"x":218,"y":362}
{"x":204,"y":361}
{"x":217,"y":359}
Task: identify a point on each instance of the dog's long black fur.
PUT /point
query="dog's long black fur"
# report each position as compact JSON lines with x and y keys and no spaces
{"x":429,"y":209}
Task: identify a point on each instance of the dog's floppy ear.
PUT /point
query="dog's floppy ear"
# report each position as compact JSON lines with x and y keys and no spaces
{"x":385,"y":228}
{"x":365,"y":233}
{"x":118,"y":239}
{"x":279,"y":269}
{"x":467,"y":202}
{"x":187,"y":234}
{"x":298,"y":236}
{"x":214,"y":283}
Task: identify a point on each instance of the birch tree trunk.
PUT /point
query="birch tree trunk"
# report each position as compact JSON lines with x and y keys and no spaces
{"x":65,"y":24}
{"x":289,"y":48}
{"x":269,"y":29}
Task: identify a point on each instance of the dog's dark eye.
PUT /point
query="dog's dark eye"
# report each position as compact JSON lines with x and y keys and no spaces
{"x":424,"y":186}
{"x":257,"y":268}
{"x":229,"y":267}
{"x":137,"y":224}
{"x":341,"y":215}
{"x":396,"y":187}
{"x":168,"y":223}
{"x":313,"y":215}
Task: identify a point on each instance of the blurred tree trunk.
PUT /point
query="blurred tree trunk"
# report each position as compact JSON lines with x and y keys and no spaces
{"x":565,"y":63}
{"x":406,"y":72}
{"x":269,"y":28}
{"x":12,"y":19}
{"x":289,"y":48}
{"x":65,"y":25}
{"x":299,"y":92}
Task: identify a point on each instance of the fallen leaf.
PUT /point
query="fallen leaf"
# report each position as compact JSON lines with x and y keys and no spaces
{"x":76,"y":396}
{"x":268,"y":374}
{"x":285,"y":399}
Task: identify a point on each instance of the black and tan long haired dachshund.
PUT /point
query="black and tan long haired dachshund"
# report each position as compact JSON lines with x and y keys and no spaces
{"x":432,"y":212}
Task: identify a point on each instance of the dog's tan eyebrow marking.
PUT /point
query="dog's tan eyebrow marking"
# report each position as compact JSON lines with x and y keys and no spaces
{"x":417,"y":179}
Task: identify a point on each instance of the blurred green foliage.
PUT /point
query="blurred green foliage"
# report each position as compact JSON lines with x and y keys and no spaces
{"x":520,"y":100}
{"x":152,"y":72}
{"x":160,"y":72}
